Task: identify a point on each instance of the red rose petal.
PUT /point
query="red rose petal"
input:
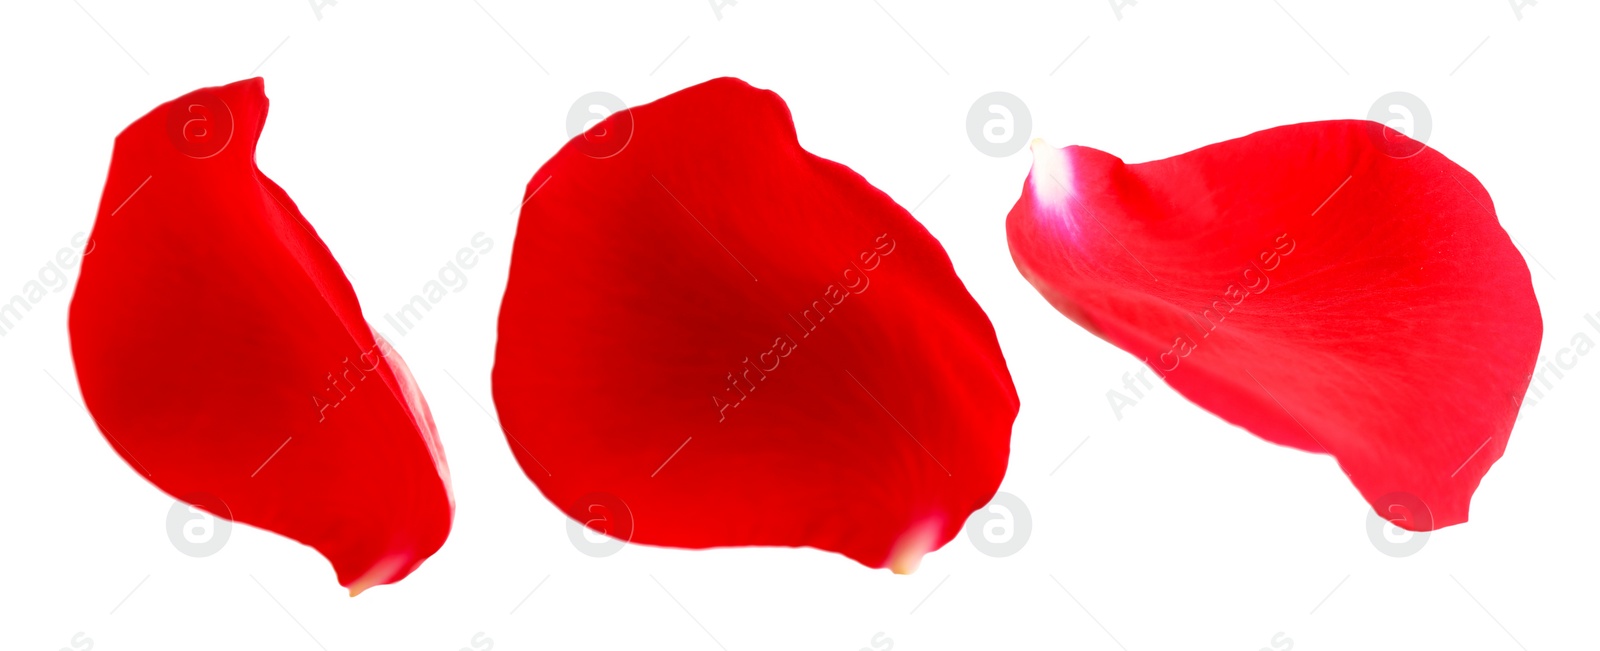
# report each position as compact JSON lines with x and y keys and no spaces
{"x":711,"y":337}
{"x":1303,"y":284}
{"x":223,"y":354}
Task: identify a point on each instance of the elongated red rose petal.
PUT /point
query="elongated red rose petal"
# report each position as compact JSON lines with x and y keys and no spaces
{"x":1330,"y":286}
{"x":711,"y":337}
{"x":223,"y":354}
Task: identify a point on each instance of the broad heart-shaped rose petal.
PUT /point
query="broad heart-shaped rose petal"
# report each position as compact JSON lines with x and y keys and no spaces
{"x":1329,"y":286}
{"x":711,"y":337}
{"x":223,"y":354}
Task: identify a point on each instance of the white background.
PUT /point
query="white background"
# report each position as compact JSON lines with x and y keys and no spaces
{"x":402,"y":129}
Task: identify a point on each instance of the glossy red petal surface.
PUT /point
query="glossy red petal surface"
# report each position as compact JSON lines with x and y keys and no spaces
{"x":223,"y":353}
{"x":1329,"y":286}
{"x":712,"y":337}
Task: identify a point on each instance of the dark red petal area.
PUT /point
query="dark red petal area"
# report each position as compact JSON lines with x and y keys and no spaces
{"x":711,"y":337}
{"x":223,"y":354}
{"x":1330,"y":286}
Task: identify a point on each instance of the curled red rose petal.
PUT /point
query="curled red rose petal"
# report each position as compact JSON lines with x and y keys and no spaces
{"x":223,"y":354}
{"x":1308,"y":284}
{"x":711,"y":337}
